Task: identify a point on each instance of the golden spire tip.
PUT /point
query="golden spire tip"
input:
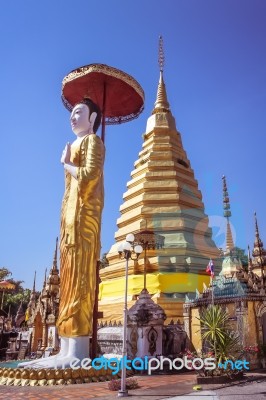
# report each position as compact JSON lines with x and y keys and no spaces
{"x":161,"y":103}
{"x":161,"y":58}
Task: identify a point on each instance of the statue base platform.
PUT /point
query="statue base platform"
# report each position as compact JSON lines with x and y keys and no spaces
{"x":48,"y":377}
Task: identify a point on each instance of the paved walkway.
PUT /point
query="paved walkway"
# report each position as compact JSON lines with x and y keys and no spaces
{"x":203,"y":395}
{"x":155,"y":387}
{"x":151,"y":387}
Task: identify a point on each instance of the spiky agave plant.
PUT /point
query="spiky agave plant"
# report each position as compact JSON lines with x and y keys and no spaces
{"x":227,"y":349}
{"x":215,"y":330}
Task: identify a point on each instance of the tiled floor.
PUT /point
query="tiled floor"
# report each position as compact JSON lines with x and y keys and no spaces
{"x":154,"y":385}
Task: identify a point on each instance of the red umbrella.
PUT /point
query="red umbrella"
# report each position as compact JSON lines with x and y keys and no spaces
{"x":5,"y":285}
{"x":119,"y":96}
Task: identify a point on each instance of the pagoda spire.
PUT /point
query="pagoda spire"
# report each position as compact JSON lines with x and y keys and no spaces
{"x":44,"y":282}
{"x":53,"y":280}
{"x":227,"y":214}
{"x":249,"y":260}
{"x":33,"y":296}
{"x":161,"y":104}
{"x":34,"y":282}
{"x":259,"y":253}
{"x":55,"y":256}
{"x":258,"y":243}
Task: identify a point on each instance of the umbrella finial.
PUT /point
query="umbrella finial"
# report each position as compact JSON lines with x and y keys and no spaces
{"x":161,"y":57}
{"x":161,"y":104}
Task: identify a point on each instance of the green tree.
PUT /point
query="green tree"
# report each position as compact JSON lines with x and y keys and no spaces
{"x":4,"y":273}
{"x":240,"y":253}
{"x":13,"y":300}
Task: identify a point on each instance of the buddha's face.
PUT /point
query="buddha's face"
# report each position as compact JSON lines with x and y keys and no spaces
{"x":81,"y":120}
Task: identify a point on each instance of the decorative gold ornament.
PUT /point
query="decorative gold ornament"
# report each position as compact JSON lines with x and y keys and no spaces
{"x":58,"y":374}
{"x":50,"y":377}
{"x":67,"y":373}
{"x":25,"y":374}
{"x":76,"y":373}
{"x":41,"y":374}
{"x":59,"y":381}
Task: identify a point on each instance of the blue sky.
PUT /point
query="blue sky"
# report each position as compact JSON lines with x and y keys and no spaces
{"x":215,"y":74}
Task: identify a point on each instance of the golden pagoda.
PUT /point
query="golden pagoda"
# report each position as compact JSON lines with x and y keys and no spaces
{"x":162,"y":197}
{"x":259,"y":253}
{"x":42,"y":311}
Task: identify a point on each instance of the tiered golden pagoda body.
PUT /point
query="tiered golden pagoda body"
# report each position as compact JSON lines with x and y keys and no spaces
{"x":162,"y":196}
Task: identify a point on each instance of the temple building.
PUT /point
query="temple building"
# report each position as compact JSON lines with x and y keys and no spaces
{"x":42,"y":311}
{"x":163,"y":199}
{"x":240,"y":291}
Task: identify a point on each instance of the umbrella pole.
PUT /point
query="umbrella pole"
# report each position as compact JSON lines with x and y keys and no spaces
{"x":3,"y":294}
{"x":95,"y":309}
{"x":96,"y":315}
{"x":103,"y":112}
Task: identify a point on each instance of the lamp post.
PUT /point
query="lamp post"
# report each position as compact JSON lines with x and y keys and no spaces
{"x":149,"y":241}
{"x":127,"y":251}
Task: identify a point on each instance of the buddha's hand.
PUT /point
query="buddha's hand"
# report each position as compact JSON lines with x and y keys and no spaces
{"x":65,"y":159}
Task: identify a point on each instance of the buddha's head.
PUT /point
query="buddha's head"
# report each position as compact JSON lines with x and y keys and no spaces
{"x":85,"y":117}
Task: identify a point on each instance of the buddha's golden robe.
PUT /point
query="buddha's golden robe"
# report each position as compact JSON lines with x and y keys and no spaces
{"x":80,"y":237}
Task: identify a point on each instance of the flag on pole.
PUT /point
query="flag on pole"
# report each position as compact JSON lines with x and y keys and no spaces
{"x":210,"y":268}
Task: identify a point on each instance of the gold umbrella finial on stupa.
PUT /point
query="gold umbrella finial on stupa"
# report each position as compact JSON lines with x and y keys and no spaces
{"x":161,"y":58}
{"x":161,"y":104}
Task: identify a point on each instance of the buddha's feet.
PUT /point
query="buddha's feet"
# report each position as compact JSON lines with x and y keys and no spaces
{"x":72,"y":353}
{"x":28,"y":364}
{"x":54,"y":362}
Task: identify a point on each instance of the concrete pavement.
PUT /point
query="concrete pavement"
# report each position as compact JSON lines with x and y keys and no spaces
{"x":201,"y":395}
{"x":154,"y":387}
